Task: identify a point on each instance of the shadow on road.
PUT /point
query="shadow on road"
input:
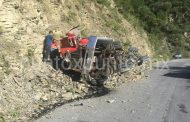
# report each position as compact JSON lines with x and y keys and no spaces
{"x":100,"y":91}
{"x":179,"y":72}
{"x":93,"y":91}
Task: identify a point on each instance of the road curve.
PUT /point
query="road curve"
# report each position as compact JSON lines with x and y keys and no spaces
{"x":163,"y":97}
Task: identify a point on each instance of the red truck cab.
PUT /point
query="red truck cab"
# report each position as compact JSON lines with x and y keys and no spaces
{"x":68,"y":44}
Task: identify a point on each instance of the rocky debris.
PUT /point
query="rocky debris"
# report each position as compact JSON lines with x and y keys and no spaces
{"x":90,"y":106}
{"x":78,"y":104}
{"x":40,"y":88}
{"x":110,"y":101}
{"x":29,"y":87}
{"x":36,"y":89}
{"x":123,"y":101}
{"x":132,"y":111}
{"x":135,"y":74}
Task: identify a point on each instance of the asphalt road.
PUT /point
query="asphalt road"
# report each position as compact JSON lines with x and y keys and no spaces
{"x":163,"y":97}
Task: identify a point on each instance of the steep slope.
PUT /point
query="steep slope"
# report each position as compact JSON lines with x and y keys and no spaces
{"x":25,"y":23}
{"x":25,"y":82}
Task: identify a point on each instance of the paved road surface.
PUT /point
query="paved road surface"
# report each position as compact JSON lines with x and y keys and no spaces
{"x":163,"y":97}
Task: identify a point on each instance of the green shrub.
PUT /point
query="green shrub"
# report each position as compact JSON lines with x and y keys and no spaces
{"x":126,"y":44}
{"x":15,"y":114}
{"x":163,"y":20}
{"x":104,"y":2}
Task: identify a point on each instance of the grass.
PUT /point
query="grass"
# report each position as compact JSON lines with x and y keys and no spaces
{"x":82,"y":2}
{"x":84,"y":33}
{"x":161,"y":51}
{"x":104,"y":2}
{"x":112,"y":24}
{"x":2,"y":118}
{"x":160,"y":48}
{"x":72,"y":15}
{"x":1,"y":30}
{"x":126,"y":44}
{"x":113,"y":21}
{"x":15,"y":114}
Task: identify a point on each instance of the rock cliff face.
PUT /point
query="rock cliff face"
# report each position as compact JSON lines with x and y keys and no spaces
{"x":23,"y":26}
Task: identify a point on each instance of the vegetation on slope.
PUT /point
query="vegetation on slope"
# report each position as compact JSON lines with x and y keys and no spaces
{"x":166,"y":21}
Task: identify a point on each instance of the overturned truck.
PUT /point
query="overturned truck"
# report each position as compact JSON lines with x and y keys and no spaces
{"x":97,"y":58}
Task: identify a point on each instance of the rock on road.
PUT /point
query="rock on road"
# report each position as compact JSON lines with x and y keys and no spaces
{"x":163,"y":97}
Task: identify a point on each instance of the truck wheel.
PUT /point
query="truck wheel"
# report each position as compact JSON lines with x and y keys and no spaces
{"x":93,"y":82}
{"x":97,"y":82}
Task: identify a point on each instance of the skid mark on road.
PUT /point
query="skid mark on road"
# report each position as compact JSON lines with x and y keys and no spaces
{"x":169,"y":104}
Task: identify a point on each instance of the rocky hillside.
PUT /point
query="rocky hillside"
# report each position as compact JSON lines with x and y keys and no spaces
{"x":25,"y":23}
{"x":26,"y":83}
